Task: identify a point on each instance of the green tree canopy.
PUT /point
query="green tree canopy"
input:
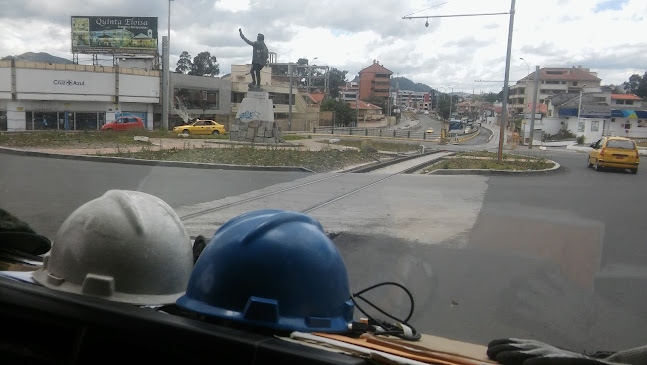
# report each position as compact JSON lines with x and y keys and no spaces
{"x":184,"y":63}
{"x":204,"y":64}
{"x":336,"y":80}
{"x":344,"y":115}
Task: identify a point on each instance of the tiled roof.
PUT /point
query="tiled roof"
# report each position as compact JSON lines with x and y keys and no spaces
{"x":376,"y":68}
{"x":317,"y":97}
{"x":566,"y":74}
{"x":624,"y":97}
{"x":363,"y":105}
{"x":539,"y":108}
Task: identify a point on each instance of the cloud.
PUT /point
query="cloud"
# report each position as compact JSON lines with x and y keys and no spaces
{"x":603,"y":35}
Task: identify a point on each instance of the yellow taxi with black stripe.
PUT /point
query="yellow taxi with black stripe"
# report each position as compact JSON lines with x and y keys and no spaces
{"x":614,"y":152}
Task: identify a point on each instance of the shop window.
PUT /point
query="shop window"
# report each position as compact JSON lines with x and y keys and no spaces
{"x":595,"y":126}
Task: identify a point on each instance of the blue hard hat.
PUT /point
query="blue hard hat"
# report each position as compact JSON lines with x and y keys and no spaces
{"x":272,"y":268}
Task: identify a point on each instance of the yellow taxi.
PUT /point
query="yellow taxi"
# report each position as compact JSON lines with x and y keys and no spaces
{"x":200,"y":126}
{"x":614,"y":152}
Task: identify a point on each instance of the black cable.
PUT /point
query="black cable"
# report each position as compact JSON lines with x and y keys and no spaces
{"x":388,"y":328}
{"x":380,"y":310}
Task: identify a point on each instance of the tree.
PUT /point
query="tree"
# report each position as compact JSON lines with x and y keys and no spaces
{"x":344,"y":115}
{"x":443,"y":106}
{"x":490,"y":97}
{"x":184,"y":63}
{"x":336,"y":80}
{"x":631,"y":86}
{"x":376,"y":100}
{"x":641,"y":90}
{"x":204,"y":64}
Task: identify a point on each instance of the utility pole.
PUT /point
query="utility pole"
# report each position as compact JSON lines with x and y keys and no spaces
{"x":451,"y":99}
{"x":507,"y":61}
{"x":534,"y":106}
{"x":504,"y":106}
{"x":357,"y":109}
{"x":290,"y":71}
{"x":165,"y":83}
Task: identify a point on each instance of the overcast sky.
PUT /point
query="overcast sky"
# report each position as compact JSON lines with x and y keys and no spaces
{"x":608,"y":36}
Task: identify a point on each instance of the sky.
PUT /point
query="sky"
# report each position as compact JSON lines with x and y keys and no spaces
{"x":466,"y":54}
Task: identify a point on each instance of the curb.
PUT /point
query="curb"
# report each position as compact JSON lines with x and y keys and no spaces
{"x":378,"y":165}
{"x":375,"y":137}
{"x":134,"y":161}
{"x":488,"y":172}
{"x":470,"y":137}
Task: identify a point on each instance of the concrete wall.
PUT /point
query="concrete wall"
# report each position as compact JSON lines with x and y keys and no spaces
{"x":551,"y":125}
{"x":618,"y":127}
{"x":590,"y":128}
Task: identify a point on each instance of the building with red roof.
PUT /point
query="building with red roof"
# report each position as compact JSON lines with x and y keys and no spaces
{"x":374,"y":80}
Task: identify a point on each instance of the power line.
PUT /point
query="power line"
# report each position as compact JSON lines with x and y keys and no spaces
{"x":451,"y":15}
{"x":435,"y":6}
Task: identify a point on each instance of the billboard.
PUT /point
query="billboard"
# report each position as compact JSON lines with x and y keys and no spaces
{"x":114,"y":34}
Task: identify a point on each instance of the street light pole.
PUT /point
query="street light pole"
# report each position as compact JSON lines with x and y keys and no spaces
{"x":504,"y":106}
{"x":534,"y":107}
{"x":166,"y":77}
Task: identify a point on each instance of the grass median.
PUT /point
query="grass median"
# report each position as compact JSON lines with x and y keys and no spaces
{"x":319,"y":161}
{"x":489,"y":161}
{"x":88,"y":139}
{"x":372,"y":145}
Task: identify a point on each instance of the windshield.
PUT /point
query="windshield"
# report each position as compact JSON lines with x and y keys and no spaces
{"x":357,"y":116}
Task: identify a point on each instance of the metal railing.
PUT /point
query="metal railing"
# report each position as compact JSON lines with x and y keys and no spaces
{"x":377,"y":132}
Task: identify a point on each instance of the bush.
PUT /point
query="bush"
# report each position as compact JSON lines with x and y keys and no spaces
{"x":580,"y":139}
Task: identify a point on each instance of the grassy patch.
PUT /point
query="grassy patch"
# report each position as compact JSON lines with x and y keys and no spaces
{"x":68,"y":139}
{"x":295,"y":137}
{"x":489,"y":161}
{"x":88,"y":139}
{"x":371,"y":145}
{"x":319,"y":161}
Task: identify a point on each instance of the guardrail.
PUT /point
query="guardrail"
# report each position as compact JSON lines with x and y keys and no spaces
{"x":376,"y":132}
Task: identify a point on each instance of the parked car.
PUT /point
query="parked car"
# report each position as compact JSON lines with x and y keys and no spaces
{"x":200,"y":126}
{"x":614,"y":152}
{"x":430,"y":130}
{"x":124,"y":123}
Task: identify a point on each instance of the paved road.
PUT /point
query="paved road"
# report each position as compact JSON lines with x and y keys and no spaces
{"x":547,"y":257}
{"x":559,"y":258}
{"x":44,"y":191}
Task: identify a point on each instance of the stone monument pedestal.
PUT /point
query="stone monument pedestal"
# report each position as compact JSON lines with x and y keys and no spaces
{"x":255,"y":120}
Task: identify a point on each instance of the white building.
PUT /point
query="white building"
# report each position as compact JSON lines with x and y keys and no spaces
{"x":552,"y":81}
{"x":412,"y":99}
{"x":591,"y":114}
{"x":44,"y":96}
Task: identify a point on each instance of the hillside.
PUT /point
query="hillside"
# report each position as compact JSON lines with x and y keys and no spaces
{"x":39,"y":57}
{"x":404,"y":83}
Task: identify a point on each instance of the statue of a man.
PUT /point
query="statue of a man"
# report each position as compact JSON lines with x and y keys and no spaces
{"x":259,"y":57}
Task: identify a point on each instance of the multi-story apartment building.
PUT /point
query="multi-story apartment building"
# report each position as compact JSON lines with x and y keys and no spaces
{"x":552,"y":81}
{"x":374,"y":80}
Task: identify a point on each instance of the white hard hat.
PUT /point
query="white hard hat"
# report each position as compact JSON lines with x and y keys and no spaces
{"x":124,"y":246}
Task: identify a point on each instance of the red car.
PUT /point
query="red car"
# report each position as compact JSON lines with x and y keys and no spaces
{"x":123,"y":123}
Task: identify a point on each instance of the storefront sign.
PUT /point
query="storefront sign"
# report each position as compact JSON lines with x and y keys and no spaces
{"x":69,"y":82}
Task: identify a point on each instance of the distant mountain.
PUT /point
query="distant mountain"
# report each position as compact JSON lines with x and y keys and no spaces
{"x":38,"y":57}
{"x":404,"y":83}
